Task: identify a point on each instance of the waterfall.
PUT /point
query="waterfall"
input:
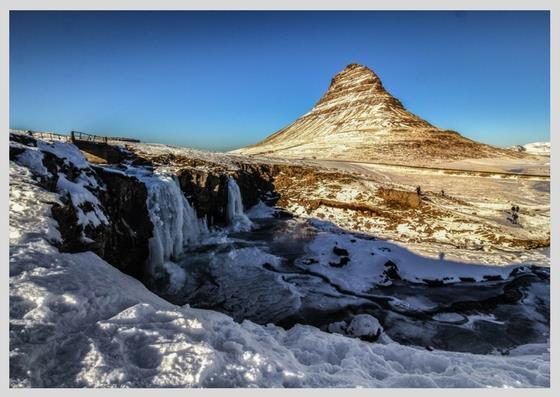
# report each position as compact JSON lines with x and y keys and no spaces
{"x":174,"y":219}
{"x":236,"y":217}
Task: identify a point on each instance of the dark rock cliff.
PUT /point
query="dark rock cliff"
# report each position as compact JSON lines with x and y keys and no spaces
{"x":207,"y":189}
{"x":206,"y":192}
{"x":125,"y":243}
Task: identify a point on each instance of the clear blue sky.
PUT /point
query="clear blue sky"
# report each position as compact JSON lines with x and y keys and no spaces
{"x":221,"y":80}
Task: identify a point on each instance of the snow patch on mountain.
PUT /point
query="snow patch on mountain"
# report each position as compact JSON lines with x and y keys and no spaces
{"x":536,"y":148}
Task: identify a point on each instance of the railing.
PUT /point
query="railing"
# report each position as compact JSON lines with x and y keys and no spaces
{"x":74,"y":136}
{"x":52,"y":136}
{"x":83,"y":136}
{"x":123,"y":139}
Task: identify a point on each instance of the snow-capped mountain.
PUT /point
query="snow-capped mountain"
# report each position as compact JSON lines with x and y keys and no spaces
{"x":358,"y":119}
{"x":538,"y":148}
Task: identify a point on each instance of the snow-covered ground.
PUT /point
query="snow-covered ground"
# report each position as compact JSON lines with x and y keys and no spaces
{"x":75,"y":320}
{"x":470,"y":223}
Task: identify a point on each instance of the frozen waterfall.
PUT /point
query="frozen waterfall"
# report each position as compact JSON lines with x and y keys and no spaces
{"x":175,"y":221}
{"x":236,"y":217}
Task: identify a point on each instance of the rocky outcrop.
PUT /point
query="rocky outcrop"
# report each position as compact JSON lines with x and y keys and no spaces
{"x":101,"y":153}
{"x":125,"y":243}
{"x":400,"y":198}
{"x":206,"y":188}
{"x":121,"y":238}
{"x":206,"y":192}
{"x":255,"y":182}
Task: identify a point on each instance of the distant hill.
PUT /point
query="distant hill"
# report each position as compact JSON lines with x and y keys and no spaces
{"x":537,"y":148}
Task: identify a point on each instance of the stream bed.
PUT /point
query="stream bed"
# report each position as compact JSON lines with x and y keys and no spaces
{"x":272,"y":274}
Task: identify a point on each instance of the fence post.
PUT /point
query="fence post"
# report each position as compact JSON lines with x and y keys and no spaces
{"x":72,"y":137}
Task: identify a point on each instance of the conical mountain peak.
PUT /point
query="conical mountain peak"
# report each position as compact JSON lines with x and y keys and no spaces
{"x":357,"y":118}
{"x":356,"y":74}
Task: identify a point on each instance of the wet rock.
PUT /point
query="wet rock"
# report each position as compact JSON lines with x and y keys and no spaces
{"x":492,"y":277}
{"x":519,"y":270}
{"x":542,"y":273}
{"x":15,"y":152}
{"x":340,"y":251}
{"x":26,"y":140}
{"x":391,"y":271}
{"x":255,"y":182}
{"x":433,"y":282}
{"x":365,"y":327}
{"x":281,"y":214}
{"x":362,"y":326}
{"x":125,"y":244}
{"x":343,"y":262}
{"x":467,"y":279}
{"x":207,"y":192}
{"x":268,"y":266}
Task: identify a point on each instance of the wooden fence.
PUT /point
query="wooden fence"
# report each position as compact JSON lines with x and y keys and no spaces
{"x":74,"y":136}
{"x":51,"y":136}
{"x":82,"y":136}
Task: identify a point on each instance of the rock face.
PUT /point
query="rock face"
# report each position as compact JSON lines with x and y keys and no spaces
{"x":206,"y":192}
{"x":357,"y":119}
{"x":207,"y":189}
{"x":125,"y":244}
{"x":123,"y":239}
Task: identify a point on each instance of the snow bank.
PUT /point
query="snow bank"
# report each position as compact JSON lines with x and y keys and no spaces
{"x":76,"y":321}
{"x":66,"y":151}
{"x":368,"y":259}
{"x":32,"y":158}
{"x":79,"y":185}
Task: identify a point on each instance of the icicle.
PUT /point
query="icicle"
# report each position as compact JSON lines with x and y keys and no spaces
{"x":175,"y":221}
{"x":236,"y":217}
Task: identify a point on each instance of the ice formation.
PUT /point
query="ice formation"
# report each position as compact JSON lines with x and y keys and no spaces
{"x":236,"y":217}
{"x":175,"y":220}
